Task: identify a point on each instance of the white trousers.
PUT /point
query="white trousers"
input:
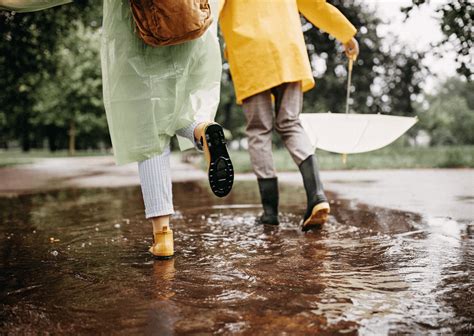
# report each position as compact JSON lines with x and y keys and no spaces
{"x":155,"y":179}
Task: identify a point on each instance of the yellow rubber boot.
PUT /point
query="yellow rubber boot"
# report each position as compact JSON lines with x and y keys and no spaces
{"x":220,"y":171}
{"x":319,"y":216}
{"x":200,"y":135}
{"x":163,"y":246}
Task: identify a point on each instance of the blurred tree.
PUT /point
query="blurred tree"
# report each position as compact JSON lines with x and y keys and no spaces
{"x":456,"y":23}
{"x":403,"y":77}
{"x":70,"y":100}
{"x":330,"y":64}
{"x":230,"y":115}
{"x":29,"y":45}
{"x":21,"y":68}
{"x":384,"y":80}
{"x":449,"y":115}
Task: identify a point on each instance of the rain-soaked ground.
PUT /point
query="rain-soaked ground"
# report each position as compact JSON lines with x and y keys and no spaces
{"x":76,"y":261}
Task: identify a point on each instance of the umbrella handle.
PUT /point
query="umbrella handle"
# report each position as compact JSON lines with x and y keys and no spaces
{"x":349,"y":79}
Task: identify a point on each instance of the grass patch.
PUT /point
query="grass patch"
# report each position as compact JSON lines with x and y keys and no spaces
{"x":17,"y":157}
{"x":392,"y":157}
{"x":387,"y":158}
{"x":457,"y":158}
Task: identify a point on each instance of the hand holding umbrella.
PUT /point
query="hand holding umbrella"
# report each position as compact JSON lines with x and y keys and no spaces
{"x":351,"y":49}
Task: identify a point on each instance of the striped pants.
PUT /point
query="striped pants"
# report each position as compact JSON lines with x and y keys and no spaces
{"x":155,"y":179}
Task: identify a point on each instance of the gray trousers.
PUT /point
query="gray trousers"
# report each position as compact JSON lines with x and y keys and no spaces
{"x":263,"y":114}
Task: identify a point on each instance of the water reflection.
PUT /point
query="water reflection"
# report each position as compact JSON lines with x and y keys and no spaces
{"x":369,"y":271}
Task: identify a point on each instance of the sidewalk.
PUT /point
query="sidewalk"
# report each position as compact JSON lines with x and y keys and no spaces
{"x":80,"y":172}
{"x":431,"y":192}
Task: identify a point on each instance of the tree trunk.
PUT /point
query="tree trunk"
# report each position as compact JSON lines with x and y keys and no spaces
{"x":52,"y":134}
{"x":227,"y":115}
{"x":25,"y":132}
{"x":72,"y":138}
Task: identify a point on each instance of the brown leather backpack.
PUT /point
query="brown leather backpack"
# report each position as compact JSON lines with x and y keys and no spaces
{"x":170,"y":22}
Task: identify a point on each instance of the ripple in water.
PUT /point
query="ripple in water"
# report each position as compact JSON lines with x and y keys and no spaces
{"x":368,"y":271}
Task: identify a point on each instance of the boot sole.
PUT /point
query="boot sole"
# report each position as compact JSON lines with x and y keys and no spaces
{"x":163,"y":257}
{"x":319,"y":216}
{"x":160,"y":257}
{"x":221,"y":170}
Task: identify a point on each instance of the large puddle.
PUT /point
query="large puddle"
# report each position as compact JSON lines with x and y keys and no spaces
{"x":76,"y":261}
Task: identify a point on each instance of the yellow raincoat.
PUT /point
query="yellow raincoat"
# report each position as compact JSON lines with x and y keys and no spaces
{"x":265,"y":46}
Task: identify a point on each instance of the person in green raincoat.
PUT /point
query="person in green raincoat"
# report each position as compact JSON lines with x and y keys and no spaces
{"x":152,"y":94}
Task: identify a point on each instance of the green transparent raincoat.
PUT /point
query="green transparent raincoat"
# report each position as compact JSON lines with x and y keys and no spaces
{"x":150,"y":92}
{"x":30,"y":5}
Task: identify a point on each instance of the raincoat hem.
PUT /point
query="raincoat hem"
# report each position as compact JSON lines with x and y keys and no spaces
{"x":307,"y":84}
{"x":126,"y":159}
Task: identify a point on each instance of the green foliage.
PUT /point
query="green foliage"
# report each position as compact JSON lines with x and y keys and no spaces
{"x":456,"y":23}
{"x":456,"y":158}
{"x":449,"y":116}
{"x":391,"y":157}
{"x":385,"y":81}
{"x":72,"y":96}
{"x":31,"y":61}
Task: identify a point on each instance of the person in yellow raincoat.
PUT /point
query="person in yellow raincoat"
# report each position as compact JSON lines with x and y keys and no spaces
{"x":270,"y":69}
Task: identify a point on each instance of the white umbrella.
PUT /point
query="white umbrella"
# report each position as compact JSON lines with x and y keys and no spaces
{"x":347,"y":133}
{"x":353,"y":133}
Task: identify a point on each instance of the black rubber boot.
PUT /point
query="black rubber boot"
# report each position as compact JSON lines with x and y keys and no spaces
{"x":318,"y":207}
{"x":220,"y":170}
{"x":269,"y":194}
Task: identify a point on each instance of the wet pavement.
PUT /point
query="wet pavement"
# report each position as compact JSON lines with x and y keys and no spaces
{"x":434,"y":193}
{"x":76,"y":261}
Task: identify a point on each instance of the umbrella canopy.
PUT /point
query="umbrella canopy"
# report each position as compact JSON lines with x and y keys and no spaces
{"x":353,"y":133}
{"x":347,"y":133}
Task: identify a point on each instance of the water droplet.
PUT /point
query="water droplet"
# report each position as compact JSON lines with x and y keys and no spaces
{"x":55,"y":253}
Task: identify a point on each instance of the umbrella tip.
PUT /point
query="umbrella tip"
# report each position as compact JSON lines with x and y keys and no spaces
{"x":344,"y":159}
